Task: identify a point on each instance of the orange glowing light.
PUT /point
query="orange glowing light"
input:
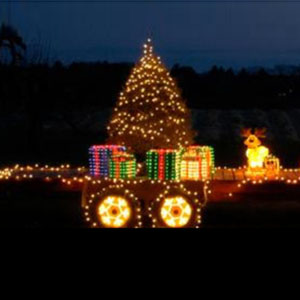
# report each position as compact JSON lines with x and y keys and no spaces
{"x":176,"y":211}
{"x":257,"y":156}
{"x":256,"y":153}
{"x":114,"y":211}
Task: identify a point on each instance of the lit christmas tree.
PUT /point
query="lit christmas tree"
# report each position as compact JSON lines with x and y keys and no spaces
{"x":150,"y":113}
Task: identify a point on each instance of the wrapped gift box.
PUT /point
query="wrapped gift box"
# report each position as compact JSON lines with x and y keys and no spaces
{"x":197,"y":163}
{"x":99,"y":156}
{"x":272,"y":165}
{"x":122,"y":165}
{"x":163,"y":164}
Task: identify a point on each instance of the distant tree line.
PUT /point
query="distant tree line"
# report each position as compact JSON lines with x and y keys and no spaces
{"x":226,"y":89}
{"x":81,"y":86}
{"x":29,"y":82}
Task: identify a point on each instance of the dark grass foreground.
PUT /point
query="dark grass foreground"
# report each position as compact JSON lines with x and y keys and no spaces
{"x":37,"y":204}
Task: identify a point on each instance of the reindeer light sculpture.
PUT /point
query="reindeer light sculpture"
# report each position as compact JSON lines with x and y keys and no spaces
{"x":256,"y":153}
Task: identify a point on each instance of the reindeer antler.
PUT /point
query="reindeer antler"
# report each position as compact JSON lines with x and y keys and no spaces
{"x":245,"y":132}
{"x":260,"y":132}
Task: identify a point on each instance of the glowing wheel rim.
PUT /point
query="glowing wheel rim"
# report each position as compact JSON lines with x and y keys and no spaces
{"x":114,"y":211}
{"x":175,"y":211}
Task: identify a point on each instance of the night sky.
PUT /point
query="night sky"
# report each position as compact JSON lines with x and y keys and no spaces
{"x":195,"y":34}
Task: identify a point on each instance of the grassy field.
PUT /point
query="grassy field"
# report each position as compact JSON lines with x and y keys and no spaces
{"x":45,"y":205}
{"x":252,"y":215}
{"x":39,"y":205}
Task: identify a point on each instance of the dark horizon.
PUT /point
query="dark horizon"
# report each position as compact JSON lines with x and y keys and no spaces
{"x":199,"y":35}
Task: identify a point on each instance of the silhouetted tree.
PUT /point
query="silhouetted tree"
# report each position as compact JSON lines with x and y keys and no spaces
{"x":10,"y":39}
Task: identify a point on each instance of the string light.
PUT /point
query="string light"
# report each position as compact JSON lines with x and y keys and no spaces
{"x":176,"y":211}
{"x":163,"y":164}
{"x":122,"y":165}
{"x":114,"y":211}
{"x":260,"y":162}
{"x":176,"y":207}
{"x":112,"y":206}
{"x":272,"y":166}
{"x":99,"y":156}
{"x":97,"y":189}
{"x":150,"y":113}
{"x":197,"y":163}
